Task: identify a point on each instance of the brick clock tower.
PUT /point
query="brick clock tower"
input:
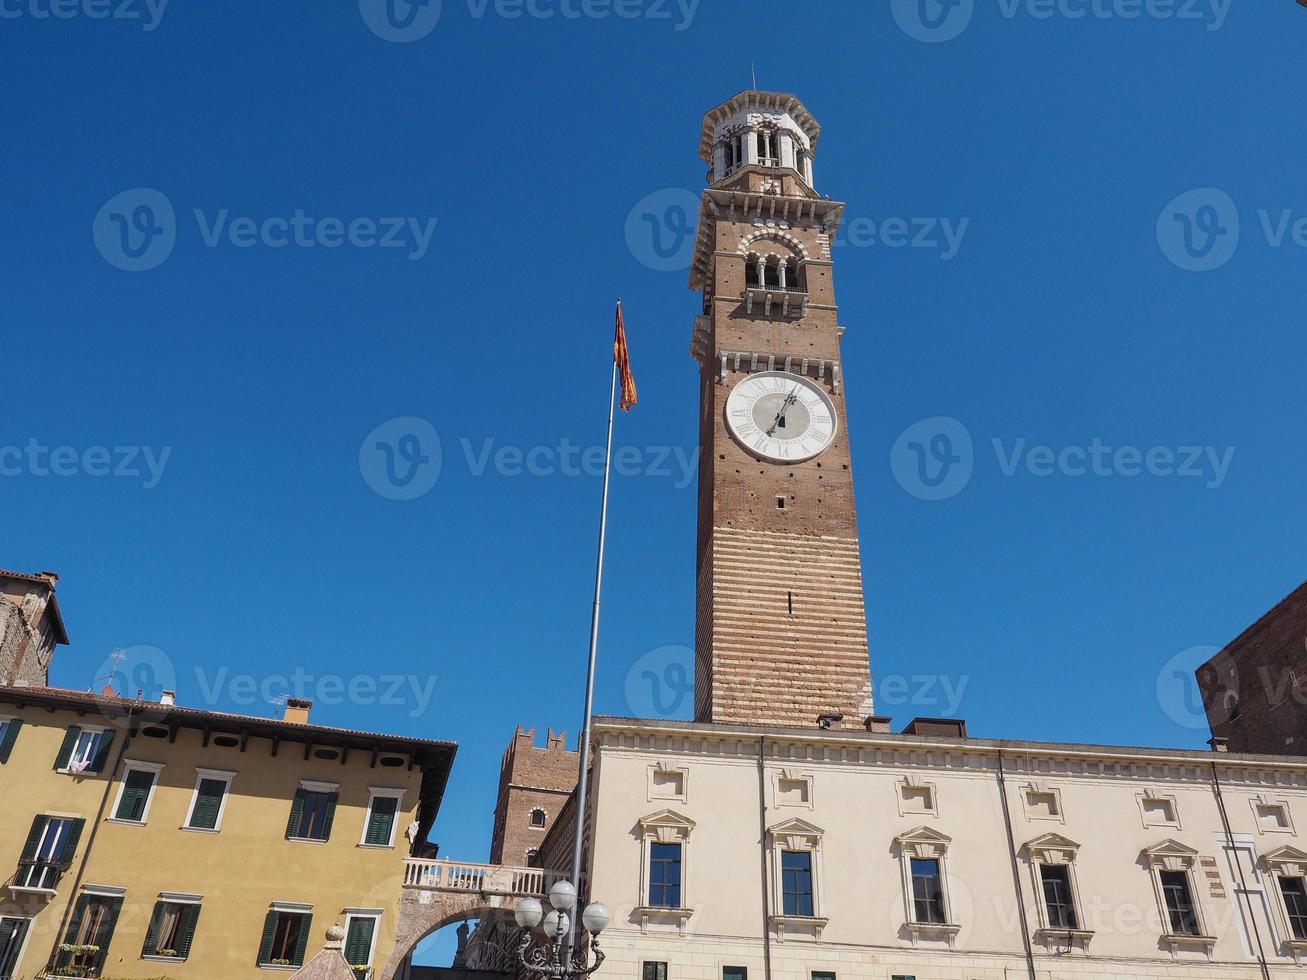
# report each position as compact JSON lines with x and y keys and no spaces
{"x":781,"y":634}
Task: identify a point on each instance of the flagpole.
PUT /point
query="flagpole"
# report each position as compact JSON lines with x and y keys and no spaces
{"x":584,"y":776}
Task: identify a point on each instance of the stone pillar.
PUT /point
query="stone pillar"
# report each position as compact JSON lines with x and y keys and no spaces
{"x":719,"y":161}
{"x":786,"y":150}
{"x":750,"y":146}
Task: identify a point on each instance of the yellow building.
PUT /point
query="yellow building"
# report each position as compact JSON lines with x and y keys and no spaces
{"x":143,"y":839}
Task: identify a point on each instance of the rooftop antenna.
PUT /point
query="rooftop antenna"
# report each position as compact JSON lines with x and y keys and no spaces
{"x":115,"y":658}
{"x":754,"y":66}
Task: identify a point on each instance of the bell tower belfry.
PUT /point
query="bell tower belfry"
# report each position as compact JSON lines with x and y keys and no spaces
{"x":781,"y":635}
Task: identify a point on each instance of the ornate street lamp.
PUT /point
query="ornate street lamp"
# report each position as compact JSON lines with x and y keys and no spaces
{"x":555,"y":958}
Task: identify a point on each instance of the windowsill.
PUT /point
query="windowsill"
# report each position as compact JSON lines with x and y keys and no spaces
{"x":84,"y":772}
{"x":1050,"y":935}
{"x":278,"y":966}
{"x":660,"y":913}
{"x":305,"y":840}
{"x":163,"y":959}
{"x":802,"y":924}
{"x":945,"y":931}
{"x":1176,"y":939}
{"x":28,"y":890}
{"x":199,"y":830}
{"x":124,"y":822}
{"x":376,"y":847}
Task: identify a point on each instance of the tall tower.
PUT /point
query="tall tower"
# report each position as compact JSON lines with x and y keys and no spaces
{"x":781,"y":633}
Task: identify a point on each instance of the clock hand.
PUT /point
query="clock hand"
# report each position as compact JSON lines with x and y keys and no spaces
{"x":780,"y":416}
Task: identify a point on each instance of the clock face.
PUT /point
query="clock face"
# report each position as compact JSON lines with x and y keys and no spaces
{"x":781,"y":417}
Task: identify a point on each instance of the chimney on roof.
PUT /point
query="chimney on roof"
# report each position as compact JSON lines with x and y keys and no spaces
{"x":297,"y":711}
{"x":879,"y":723}
{"x":168,"y":697}
{"x":51,"y":577}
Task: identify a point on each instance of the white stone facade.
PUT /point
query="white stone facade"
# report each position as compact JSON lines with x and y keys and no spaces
{"x":862,"y":806}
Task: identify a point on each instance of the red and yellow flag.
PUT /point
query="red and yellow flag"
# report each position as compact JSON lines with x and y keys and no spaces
{"x":623,"y":358}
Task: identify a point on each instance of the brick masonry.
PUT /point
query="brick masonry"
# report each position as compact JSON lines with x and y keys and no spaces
{"x":781,"y":634}
{"x":29,"y":628}
{"x":1255,"y":690}
{"x":531,"y":778}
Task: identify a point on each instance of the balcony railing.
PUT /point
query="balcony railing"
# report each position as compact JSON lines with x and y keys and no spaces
{"x":768,"y":300}
{"x":38,"y":875}
{"x":490,"y":879}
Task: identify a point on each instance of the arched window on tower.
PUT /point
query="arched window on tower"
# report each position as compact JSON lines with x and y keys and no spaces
{"x":533,"y":859}
{"x":801,"y":162}
{"x":767,"y":155}
{"x":794,"y":275}
{"x":751,"y":265}
{"x":537,"y":818}
{"x":772,"y":271}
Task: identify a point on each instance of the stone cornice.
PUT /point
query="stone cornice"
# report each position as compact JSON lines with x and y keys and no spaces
{"x":980,"y":757}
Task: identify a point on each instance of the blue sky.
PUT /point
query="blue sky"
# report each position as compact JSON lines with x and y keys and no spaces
{"x":1099,"y":371}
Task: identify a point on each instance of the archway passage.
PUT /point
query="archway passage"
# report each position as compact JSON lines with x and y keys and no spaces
{"x":441,"y":893}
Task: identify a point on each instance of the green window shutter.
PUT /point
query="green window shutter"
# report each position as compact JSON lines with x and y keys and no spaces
{"x":358,"y":944}
{"x":152,"y":933}
{"x":269,"y":930}
{"x":381,"y":820}
{"x":186,"y":931}
{"x":66,"y":750}
{"x":107,"y":926}
{"x":75,"y":923}
{"x":331,"y":815}
{"x":70,"y":845}
{"x":34,"y":837}
{"x":101,"y":757}
{"x":296,"y":810}
{"x":208,"y":804}
{"x":136,"y":791}
{"x":306,"y":922}
{"x":12,"y":934}
{"x":10,"y":736}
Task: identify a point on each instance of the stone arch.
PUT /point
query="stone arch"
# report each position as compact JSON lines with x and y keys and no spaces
{"x":422,"y":913}
{"x":775,"y":234}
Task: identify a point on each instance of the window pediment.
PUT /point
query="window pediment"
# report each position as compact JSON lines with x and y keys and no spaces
{"x":923,"y":843}
{"x":796,"y":835}
{"x":1052,"y":849}
{"x":1287,"y":861}
{"x":666,"y":827}
{"x":1171,"y":855}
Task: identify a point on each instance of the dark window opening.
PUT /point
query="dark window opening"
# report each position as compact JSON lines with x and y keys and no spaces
{"x":796,"y":882}
{"x":1057,"y":896}
{"x":1294,"y":891}
{"x":665,"y":876}
{"x":1179,"y":903}
{"x":927,"y":891}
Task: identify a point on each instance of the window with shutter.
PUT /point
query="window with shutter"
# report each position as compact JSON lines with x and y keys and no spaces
{"x":311,"y":815}
{"x":135,"y":795}
{"x":285,"y":938}
{"x":172,"y":927}
{"x":90,"y":931}
{"x":12,"y":934}
{"x":358,"y":940}
{"x":8,"y":735}
{"x":49,"y":851}
{"x":381,"y":821}
{"x":206,"y":809}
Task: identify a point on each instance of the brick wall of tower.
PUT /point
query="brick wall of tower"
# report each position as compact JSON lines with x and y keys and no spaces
{"x":531,"y":778}
{"x":27,"y":631}
{"x":1255,"y":690}
{"x":781,"y":633}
